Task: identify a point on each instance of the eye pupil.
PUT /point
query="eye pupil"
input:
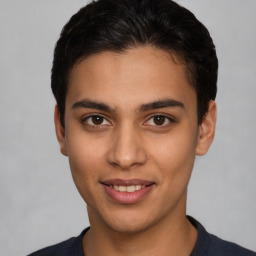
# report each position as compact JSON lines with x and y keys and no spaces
{"x":97,"y":120}
{"x":159,"y":120}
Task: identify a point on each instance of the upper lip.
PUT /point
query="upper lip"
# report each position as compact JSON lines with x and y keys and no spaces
{"x":128,"y":182}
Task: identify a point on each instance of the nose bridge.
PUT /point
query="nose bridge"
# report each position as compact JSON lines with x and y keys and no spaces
{"x":126,"y":147}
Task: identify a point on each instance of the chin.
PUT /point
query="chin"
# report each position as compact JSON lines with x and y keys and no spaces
{"x":130,"y":221}
{"x":128,"y":227}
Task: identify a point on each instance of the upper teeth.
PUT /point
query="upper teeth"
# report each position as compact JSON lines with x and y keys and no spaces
{"x":131,"y":188}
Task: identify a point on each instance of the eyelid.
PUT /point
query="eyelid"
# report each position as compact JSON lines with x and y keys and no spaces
{"x":169,"y":118}
{"x":85,"y":118}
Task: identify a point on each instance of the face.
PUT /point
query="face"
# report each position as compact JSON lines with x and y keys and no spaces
{"x":131,"y":136}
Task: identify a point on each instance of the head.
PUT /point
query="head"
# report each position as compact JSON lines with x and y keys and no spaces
{"x":117,"y":26}
{"x":134,"y":82}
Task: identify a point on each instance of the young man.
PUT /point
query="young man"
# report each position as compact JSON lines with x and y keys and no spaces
{"x":135,"y":83}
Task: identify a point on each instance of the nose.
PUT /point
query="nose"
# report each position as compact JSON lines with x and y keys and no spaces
{"x":127,"y":149}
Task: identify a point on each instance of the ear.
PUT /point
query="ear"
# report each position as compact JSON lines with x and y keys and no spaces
{"x":207,"y":129}
{"x":60,"y":132}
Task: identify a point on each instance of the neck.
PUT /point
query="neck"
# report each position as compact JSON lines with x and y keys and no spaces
{"x":175,"y":236}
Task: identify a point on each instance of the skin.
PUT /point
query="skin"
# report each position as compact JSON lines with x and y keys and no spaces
{"x":129,"y":143}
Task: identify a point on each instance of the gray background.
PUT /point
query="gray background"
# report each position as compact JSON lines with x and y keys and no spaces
{"x":39,"y":203}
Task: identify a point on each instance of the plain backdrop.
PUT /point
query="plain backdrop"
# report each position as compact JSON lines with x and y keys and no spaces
{"x":39,"y":202}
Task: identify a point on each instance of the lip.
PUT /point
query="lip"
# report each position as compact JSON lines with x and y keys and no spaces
{"x":127,"y":197}
{"x":129,"y":182}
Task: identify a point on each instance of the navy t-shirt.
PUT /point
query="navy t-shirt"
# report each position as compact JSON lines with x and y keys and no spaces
{"x":206,"y":245}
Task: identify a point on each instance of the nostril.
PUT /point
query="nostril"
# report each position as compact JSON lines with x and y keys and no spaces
{"x":126,"y":150}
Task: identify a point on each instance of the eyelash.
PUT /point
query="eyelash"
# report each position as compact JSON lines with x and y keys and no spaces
{"x":86,"y":123}
{"x":166,"y":119}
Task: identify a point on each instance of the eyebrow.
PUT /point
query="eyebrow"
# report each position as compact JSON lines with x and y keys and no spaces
{"x":85,"y":103}
{"x":161,"y":104}
{"x":92,"y":104}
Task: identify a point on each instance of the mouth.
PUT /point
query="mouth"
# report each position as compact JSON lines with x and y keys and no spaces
{"x":127,"y":191}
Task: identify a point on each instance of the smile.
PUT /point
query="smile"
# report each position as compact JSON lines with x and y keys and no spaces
{"x":127,"y":191}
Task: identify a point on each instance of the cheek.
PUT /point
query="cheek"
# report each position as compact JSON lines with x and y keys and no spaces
{"x":174,"y":157}
{"x":86,"y":159}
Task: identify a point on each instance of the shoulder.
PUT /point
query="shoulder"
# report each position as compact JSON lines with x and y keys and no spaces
{"x":218,"y":246}
{"x":210,"y":245}
{"x":70,"y":247}
{"x":62,"y":248}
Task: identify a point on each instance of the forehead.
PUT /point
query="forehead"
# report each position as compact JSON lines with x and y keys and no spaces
{"x":135,"y":76}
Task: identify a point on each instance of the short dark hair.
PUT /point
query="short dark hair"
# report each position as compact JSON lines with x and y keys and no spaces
{"x":118,"y":25}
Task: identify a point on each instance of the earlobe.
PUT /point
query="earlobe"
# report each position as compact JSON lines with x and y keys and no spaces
{"x":60,"y":132}
{"x":207,"y":129}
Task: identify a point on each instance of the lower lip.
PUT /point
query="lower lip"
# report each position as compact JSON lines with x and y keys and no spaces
{"x":127,"y":197}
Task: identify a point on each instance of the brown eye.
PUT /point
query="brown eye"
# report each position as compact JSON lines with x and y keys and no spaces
{"x":97,"y":120}
{"x":159,"y":120}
